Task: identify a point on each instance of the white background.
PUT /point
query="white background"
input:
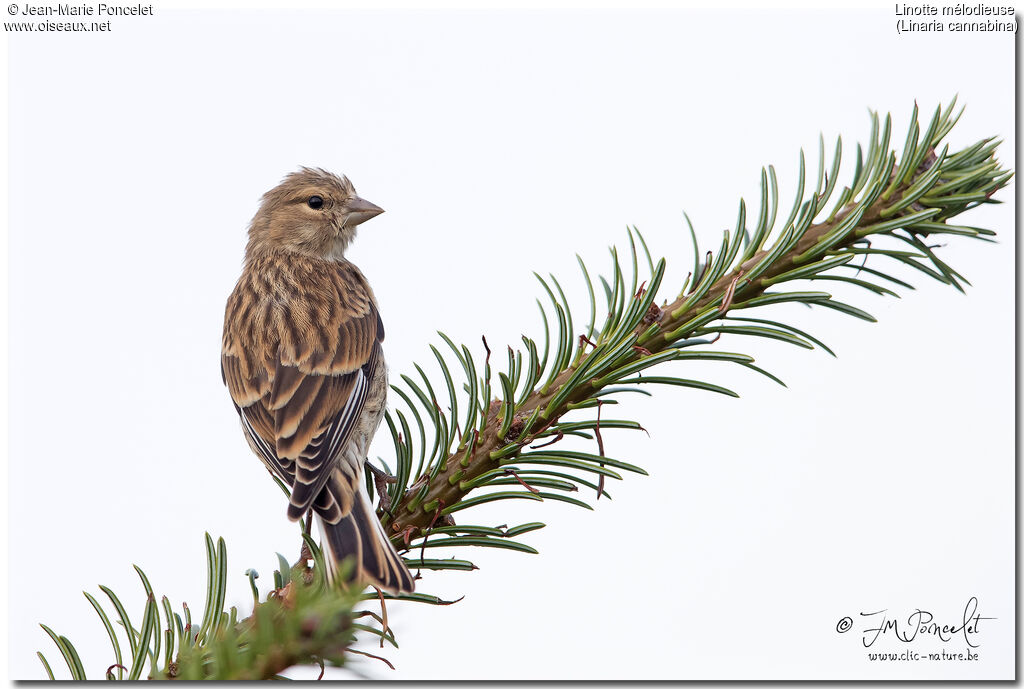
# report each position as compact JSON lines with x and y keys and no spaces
{"x":500,"y":143}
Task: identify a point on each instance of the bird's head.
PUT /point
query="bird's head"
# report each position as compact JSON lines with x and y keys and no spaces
{"x":311,"y":212}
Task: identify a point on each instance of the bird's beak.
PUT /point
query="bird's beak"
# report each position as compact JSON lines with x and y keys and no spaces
{"x":360,"y":210}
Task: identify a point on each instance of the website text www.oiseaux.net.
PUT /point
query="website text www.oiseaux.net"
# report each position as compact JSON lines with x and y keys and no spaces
{"x":65,"y":17}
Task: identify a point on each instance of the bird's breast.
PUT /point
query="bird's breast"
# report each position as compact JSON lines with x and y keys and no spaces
{"x":373,"y":409}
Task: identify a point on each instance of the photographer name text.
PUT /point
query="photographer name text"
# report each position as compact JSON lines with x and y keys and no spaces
{"x":99,"y":10}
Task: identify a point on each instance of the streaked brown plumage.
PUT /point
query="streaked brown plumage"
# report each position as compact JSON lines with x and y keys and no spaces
{"x":302,"y":361}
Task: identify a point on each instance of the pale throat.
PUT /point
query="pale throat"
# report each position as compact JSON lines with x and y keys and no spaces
{"x":337,"y":249}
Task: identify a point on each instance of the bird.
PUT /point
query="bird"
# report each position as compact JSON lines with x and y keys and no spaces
{"x":302,"y":361}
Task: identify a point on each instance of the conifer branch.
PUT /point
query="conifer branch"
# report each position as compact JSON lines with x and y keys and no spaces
{"x":499,"y":438}
{"x":906,"y":199}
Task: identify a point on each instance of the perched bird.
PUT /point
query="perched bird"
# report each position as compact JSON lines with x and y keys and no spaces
{"x":302,"y":360}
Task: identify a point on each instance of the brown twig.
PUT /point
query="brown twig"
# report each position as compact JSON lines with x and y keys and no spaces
{"x":383,"y":614}
{"x":515,"y":475}
{"x":370,"y":655}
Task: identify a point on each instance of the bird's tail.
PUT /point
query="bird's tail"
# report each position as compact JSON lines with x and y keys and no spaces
{"x":359,"y":547}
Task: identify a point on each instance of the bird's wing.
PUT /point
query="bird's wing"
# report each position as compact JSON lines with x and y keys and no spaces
{"x":300,"y":402}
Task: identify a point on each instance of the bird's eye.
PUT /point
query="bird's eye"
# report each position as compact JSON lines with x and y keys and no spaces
{"x":315,"y":202}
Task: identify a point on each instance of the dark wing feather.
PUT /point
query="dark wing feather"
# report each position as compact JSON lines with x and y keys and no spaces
{"x":318,"y":457}
{"x":254,"y":417}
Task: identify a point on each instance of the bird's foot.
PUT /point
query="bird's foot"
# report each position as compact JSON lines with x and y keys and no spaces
{"x":380,"y":481}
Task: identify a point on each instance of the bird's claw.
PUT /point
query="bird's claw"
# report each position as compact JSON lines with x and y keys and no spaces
{"x":380,"y":481}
